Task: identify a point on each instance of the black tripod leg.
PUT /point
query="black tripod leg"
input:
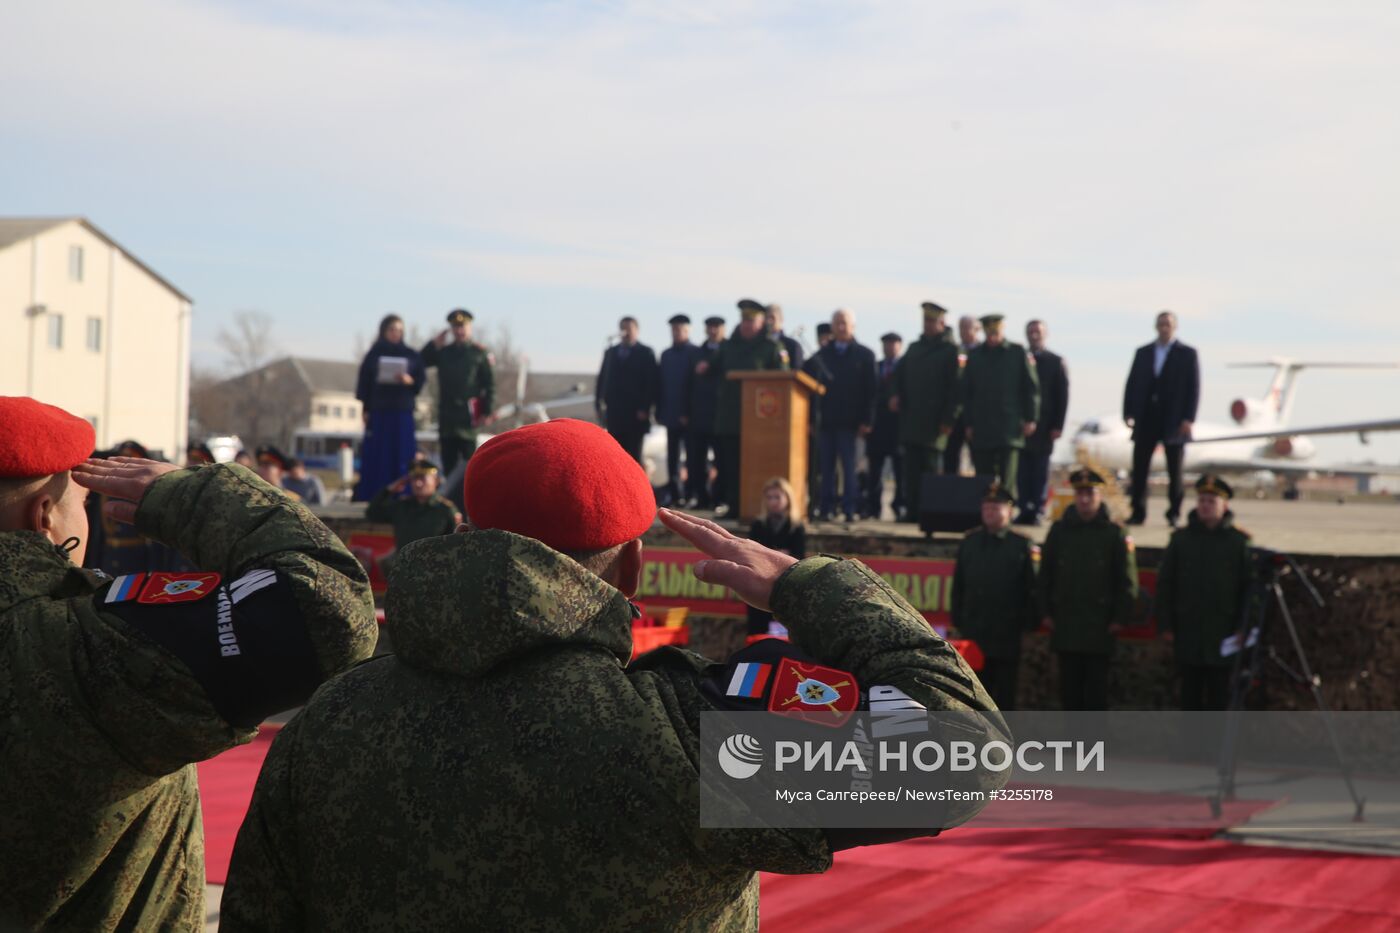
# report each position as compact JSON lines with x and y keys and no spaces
{"x":1316,"y":686}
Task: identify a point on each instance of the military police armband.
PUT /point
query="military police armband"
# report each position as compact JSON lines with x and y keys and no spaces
{"x":243,"y":640}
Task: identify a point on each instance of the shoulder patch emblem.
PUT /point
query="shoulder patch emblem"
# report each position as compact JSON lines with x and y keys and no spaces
{"x":821,"y":695}
{"x":749,"y":680}
{"x":177,"y":587}
{"x":125,"y":587}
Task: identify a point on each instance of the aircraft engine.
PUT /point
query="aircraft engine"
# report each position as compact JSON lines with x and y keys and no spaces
{"x":1291,"y":448}
{"x":1245,"y":411}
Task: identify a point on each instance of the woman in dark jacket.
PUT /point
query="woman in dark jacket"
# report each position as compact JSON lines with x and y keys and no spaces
{"x":391,"y":377}
{"x":781,"y":529}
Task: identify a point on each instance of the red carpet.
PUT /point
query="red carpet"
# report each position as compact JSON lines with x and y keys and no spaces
{"x":1073,"y":880}
{"x":1060,"y":881}
{"x":225,"y":787}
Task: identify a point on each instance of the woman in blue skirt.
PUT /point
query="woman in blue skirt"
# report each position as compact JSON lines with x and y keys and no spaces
{"x":391,"y":377}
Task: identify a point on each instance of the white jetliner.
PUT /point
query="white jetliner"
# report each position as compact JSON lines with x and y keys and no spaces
{"x":1260,"y":439}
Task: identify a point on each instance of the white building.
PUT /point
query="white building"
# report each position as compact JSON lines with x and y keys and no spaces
{"x":90,"y":328}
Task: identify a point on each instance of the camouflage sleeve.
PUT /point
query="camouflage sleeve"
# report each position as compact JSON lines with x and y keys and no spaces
{"x":843,"y":614}
{"x":225,"y":518}
{"x":261,"y":891}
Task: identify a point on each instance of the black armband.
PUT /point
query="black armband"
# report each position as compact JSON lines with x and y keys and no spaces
{"x":243,"y":640}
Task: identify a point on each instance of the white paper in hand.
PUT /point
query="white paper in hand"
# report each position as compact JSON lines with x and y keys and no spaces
{"x":391,"y":368}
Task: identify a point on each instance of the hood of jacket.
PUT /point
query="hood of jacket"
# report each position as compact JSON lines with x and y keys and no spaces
{"x":463,"y":604}
{"x":33,"y":567}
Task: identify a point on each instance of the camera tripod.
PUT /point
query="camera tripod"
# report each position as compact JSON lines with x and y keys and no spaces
{"x":1254,"y":649}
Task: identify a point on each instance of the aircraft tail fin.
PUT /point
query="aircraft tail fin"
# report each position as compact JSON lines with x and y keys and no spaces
{"x":1279,"y":400}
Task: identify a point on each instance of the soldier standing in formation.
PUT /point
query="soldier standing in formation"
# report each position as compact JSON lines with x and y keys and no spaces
{"x":1202,"y":586}
{"x":967,"y":341}
{"x":466,"y":387}
{"x":748,"y":349}
{"x":1088,"y":584}
{"x":883,"y":443}
{"x":704,"y":399}
{"x":925,"y":396}
{"x":627,"y":389}
{"x":1054,"y":405}
{"x":113,"y":688}
{"x":994,"y":595}
{"x":1000,"y":402}
{"x":422,"y":514}
{"x":674,"y":375}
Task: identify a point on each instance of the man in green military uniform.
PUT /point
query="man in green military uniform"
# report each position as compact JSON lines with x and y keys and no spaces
{"x":525,"y":774}
{"x":466,"y":387}
{"x":747,"y":349}
{"x":994,"y":597}
{"x":1088,"y":584}
{"x":925,"y":394}
{"x":422,"y":514}
{"x":1001,"y":401}
{"x":111,"y":689}
{"x":1202,"y":586}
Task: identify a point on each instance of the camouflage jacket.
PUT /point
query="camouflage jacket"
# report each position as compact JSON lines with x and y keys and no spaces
{"x":508,"y":768}
{"x":110,"y":689}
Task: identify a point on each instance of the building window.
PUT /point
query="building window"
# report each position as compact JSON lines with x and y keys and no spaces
{"x":336,"y":411}
{"x":350,"y":411}
{"x":94,"y":334}
{"x":56,"y":331}
{"x":323,"y":410}
{"x":75,"y":263}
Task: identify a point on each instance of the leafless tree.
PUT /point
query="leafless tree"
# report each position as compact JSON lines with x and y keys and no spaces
{"x":248,"y":343}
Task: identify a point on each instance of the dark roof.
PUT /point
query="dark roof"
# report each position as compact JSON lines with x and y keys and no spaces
{"x":326,"y":375}
{"x":16,"y":229}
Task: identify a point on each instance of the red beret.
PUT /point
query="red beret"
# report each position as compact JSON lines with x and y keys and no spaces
{"x":566,"y":483}
{"x":40,"y":440}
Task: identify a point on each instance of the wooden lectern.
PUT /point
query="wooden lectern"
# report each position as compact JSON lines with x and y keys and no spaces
{"x":774,"y":425}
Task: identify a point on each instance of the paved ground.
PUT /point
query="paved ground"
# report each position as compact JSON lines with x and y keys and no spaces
{"x":1355,"y":528}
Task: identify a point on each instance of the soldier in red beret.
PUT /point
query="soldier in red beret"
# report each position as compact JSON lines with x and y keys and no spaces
{"x":113,"y":688}
{"x":512,"y":764}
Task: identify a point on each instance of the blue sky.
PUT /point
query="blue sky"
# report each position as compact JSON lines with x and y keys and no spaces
{"x":555,"y":166}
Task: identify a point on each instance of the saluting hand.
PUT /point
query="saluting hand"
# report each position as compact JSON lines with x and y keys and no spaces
{"x":746,"y":567}
{"x":123,"y":480}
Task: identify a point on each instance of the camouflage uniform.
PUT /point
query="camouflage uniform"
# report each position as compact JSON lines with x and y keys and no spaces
{"x":105,"y":703}
{"x":523,"y":775}
{"x":412,"y":519}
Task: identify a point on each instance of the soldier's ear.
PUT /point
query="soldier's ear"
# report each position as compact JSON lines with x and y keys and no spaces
{"x":629,"y":568}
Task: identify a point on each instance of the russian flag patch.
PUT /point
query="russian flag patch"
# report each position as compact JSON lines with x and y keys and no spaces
{"x":749,"y":680}
{"x":124,"y":588}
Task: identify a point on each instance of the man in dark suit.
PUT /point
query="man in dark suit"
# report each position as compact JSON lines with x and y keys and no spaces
{"x":883,"y":443}
{"x":704,"y":398}
{"x":677,"y":369}
{"x":1034,"y":476}
{"x":627,"y":389}
{"x":1159,"y":404}
{"x":848,"y":411}
{"x":789,"y":344}
{"x":969,"y":330}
